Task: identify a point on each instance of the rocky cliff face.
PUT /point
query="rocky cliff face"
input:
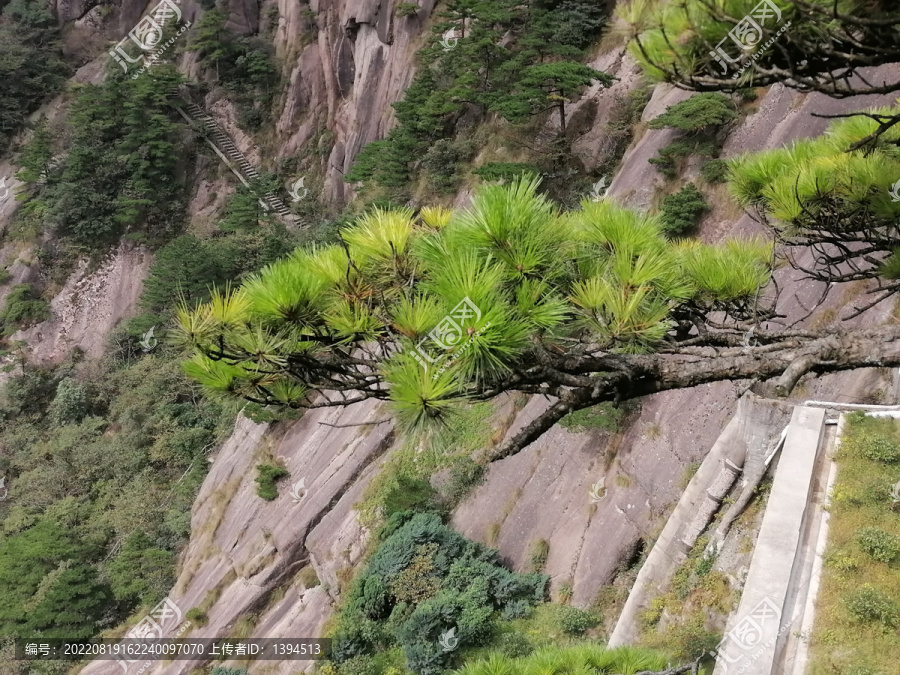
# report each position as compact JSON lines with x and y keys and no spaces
{"x":283,"y":562}
{"x":347,"y":66}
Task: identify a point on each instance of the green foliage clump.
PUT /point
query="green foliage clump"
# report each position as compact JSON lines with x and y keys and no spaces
{"x":525,"y":65}
{"x":605,"y":416}
{"x":267,"y":476}
{"x":244,"y":65}
{"x":576,"y":621}
{"x":714,"y":171}
{"x":197,"y":616}
{"x":422,"y":581}
{"x":31,"y":65}
{"x":405,"y":9}
{"x":874,"y":439}
{"x":442,"y":164}
{"x":141,"y":572}
{"x":579,"y":659}
{"x":48,"y":588}
{"x":121,"y":172}
{"x":698,"y":113}
{"x":502,"y":171}
{"x":602,"y":273}
{"x":24,"y":307}
{"x":682,"y":211}
{"x":880,"y":545}
{"x":70,"y":403}
{"x":819,"y":186}
{"x":103,"y":470}
{"x":872,"y":605}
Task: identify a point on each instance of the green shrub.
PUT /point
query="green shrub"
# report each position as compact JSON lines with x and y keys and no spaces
{"x":70,"y":403}
{"x":5,"y":275}
{"x":575,"y":621}
{"x":197,"y":616}
{"x":423,"y":580}
{"x":682,"y":211}
{"x":465,"y":475}
{"x":405,"y":9}
{"x":669,"y":157}
{"x":699,"y":112}
{"x":871,"y":605}
{"x":406,"y":493}
{"x":687,"y":640}
{"x":605,"y":416}
{"x":540,"y":549}
{"x":715,"y":171}
{"x":872,"y":438}
{"x":442,"y":163}
{"x":880,"y":545}
{"x":24,"y":307}
{"x":497,"y":171}
{"x":514,"y":645}
{"x":266,"y":479}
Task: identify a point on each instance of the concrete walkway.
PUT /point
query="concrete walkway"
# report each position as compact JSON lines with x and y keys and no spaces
{"x":774,"y":597}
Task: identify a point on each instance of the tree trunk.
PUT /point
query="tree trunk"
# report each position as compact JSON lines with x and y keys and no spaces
{"x":618,"y":377}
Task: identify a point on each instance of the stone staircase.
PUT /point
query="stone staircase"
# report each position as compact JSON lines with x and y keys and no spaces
{"x":232,"y":156}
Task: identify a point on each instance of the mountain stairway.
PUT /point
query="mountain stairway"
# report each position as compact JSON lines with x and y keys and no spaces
{"x":229,"y":153}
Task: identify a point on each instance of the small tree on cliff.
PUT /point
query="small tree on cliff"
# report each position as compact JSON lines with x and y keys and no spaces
{"x":807,"y":45}
{"x":595,"y":305}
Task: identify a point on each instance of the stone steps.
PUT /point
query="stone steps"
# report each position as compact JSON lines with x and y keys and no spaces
{"x":227,"y":147}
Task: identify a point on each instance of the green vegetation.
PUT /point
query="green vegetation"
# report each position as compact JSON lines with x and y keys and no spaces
{"x":405,"y":9}
{"x":423,"y":581}
{"x":524,"y":65}
{"x":586,"y":660}
{"x":23,"y":308}
{"x":404,"y":482}
{"x":502,"y":171}
{"x":102,"y":470}
{"x":681,"y":212}
{"x":605,"y":416}
{"x":858,"y":606}
{"x":267,"y":477}
{"x":244,"y":65}
{"x":700,"y":118}
{"x":529,"y":270}
{"x":197,"y":616}
{"x":576,"y":621}
{"x":699,"y":113}
{"x":121,"y":170}
{"x":696,"y":589}
{"x":715,"y":171}
{"x":31,"y":65}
